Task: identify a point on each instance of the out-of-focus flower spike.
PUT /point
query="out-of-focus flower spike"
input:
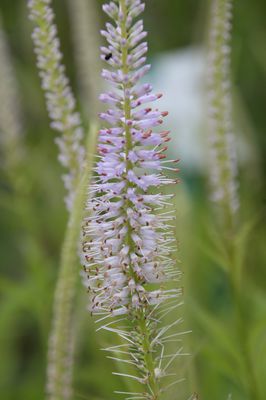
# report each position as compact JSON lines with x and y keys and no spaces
{"x":11,"y":126}
{"x":85,"y":21}
{"x":59,"y":98}
{"x":223,"y":160}
{"x":62,"y":111}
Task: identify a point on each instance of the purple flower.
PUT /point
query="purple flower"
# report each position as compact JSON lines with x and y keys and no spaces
{"x":127,"y":243}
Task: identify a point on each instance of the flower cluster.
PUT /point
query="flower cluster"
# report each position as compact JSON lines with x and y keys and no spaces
{"x":128,"y":239}
{"x":222,"y":141}
{"x":131,"y":242}
{"x":59,"y":98}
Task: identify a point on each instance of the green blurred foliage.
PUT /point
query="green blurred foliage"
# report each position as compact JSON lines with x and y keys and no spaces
{"x":33,"y":221}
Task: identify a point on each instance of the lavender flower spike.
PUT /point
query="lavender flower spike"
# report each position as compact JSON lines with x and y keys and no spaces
{"x":127,"y":241}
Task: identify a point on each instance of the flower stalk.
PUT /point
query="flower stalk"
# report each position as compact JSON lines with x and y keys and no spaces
{"x":61,"y":342}
{"x":224,"y":170}
{"x":127,"y":242}
{"x":61,"y":108}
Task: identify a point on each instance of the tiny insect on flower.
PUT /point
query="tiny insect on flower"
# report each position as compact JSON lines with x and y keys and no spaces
{"x":108,"y":56}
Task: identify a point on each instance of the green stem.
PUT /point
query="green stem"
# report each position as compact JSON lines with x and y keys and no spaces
{"x":139,"y":317}
{"x":241,"y":323}
{"x":60,"y":352}
{"x":221,"y":114}
{"x":148,"y":355}
{"x":84,"y":19}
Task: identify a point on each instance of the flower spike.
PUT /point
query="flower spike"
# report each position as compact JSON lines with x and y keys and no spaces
{"x":127,"y":238}
{"x":222,"y":141}
{"x":61,"y":104}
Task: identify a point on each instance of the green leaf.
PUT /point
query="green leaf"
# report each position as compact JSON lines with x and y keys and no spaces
{"x":219,"y":343}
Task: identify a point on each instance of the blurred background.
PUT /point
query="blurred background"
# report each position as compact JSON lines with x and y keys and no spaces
{"x":33,"y":216}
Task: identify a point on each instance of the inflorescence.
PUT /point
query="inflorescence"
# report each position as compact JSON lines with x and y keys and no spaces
{"x":127,"y":237}
{"x":59,"y":98}
{"x":222,"y":140}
